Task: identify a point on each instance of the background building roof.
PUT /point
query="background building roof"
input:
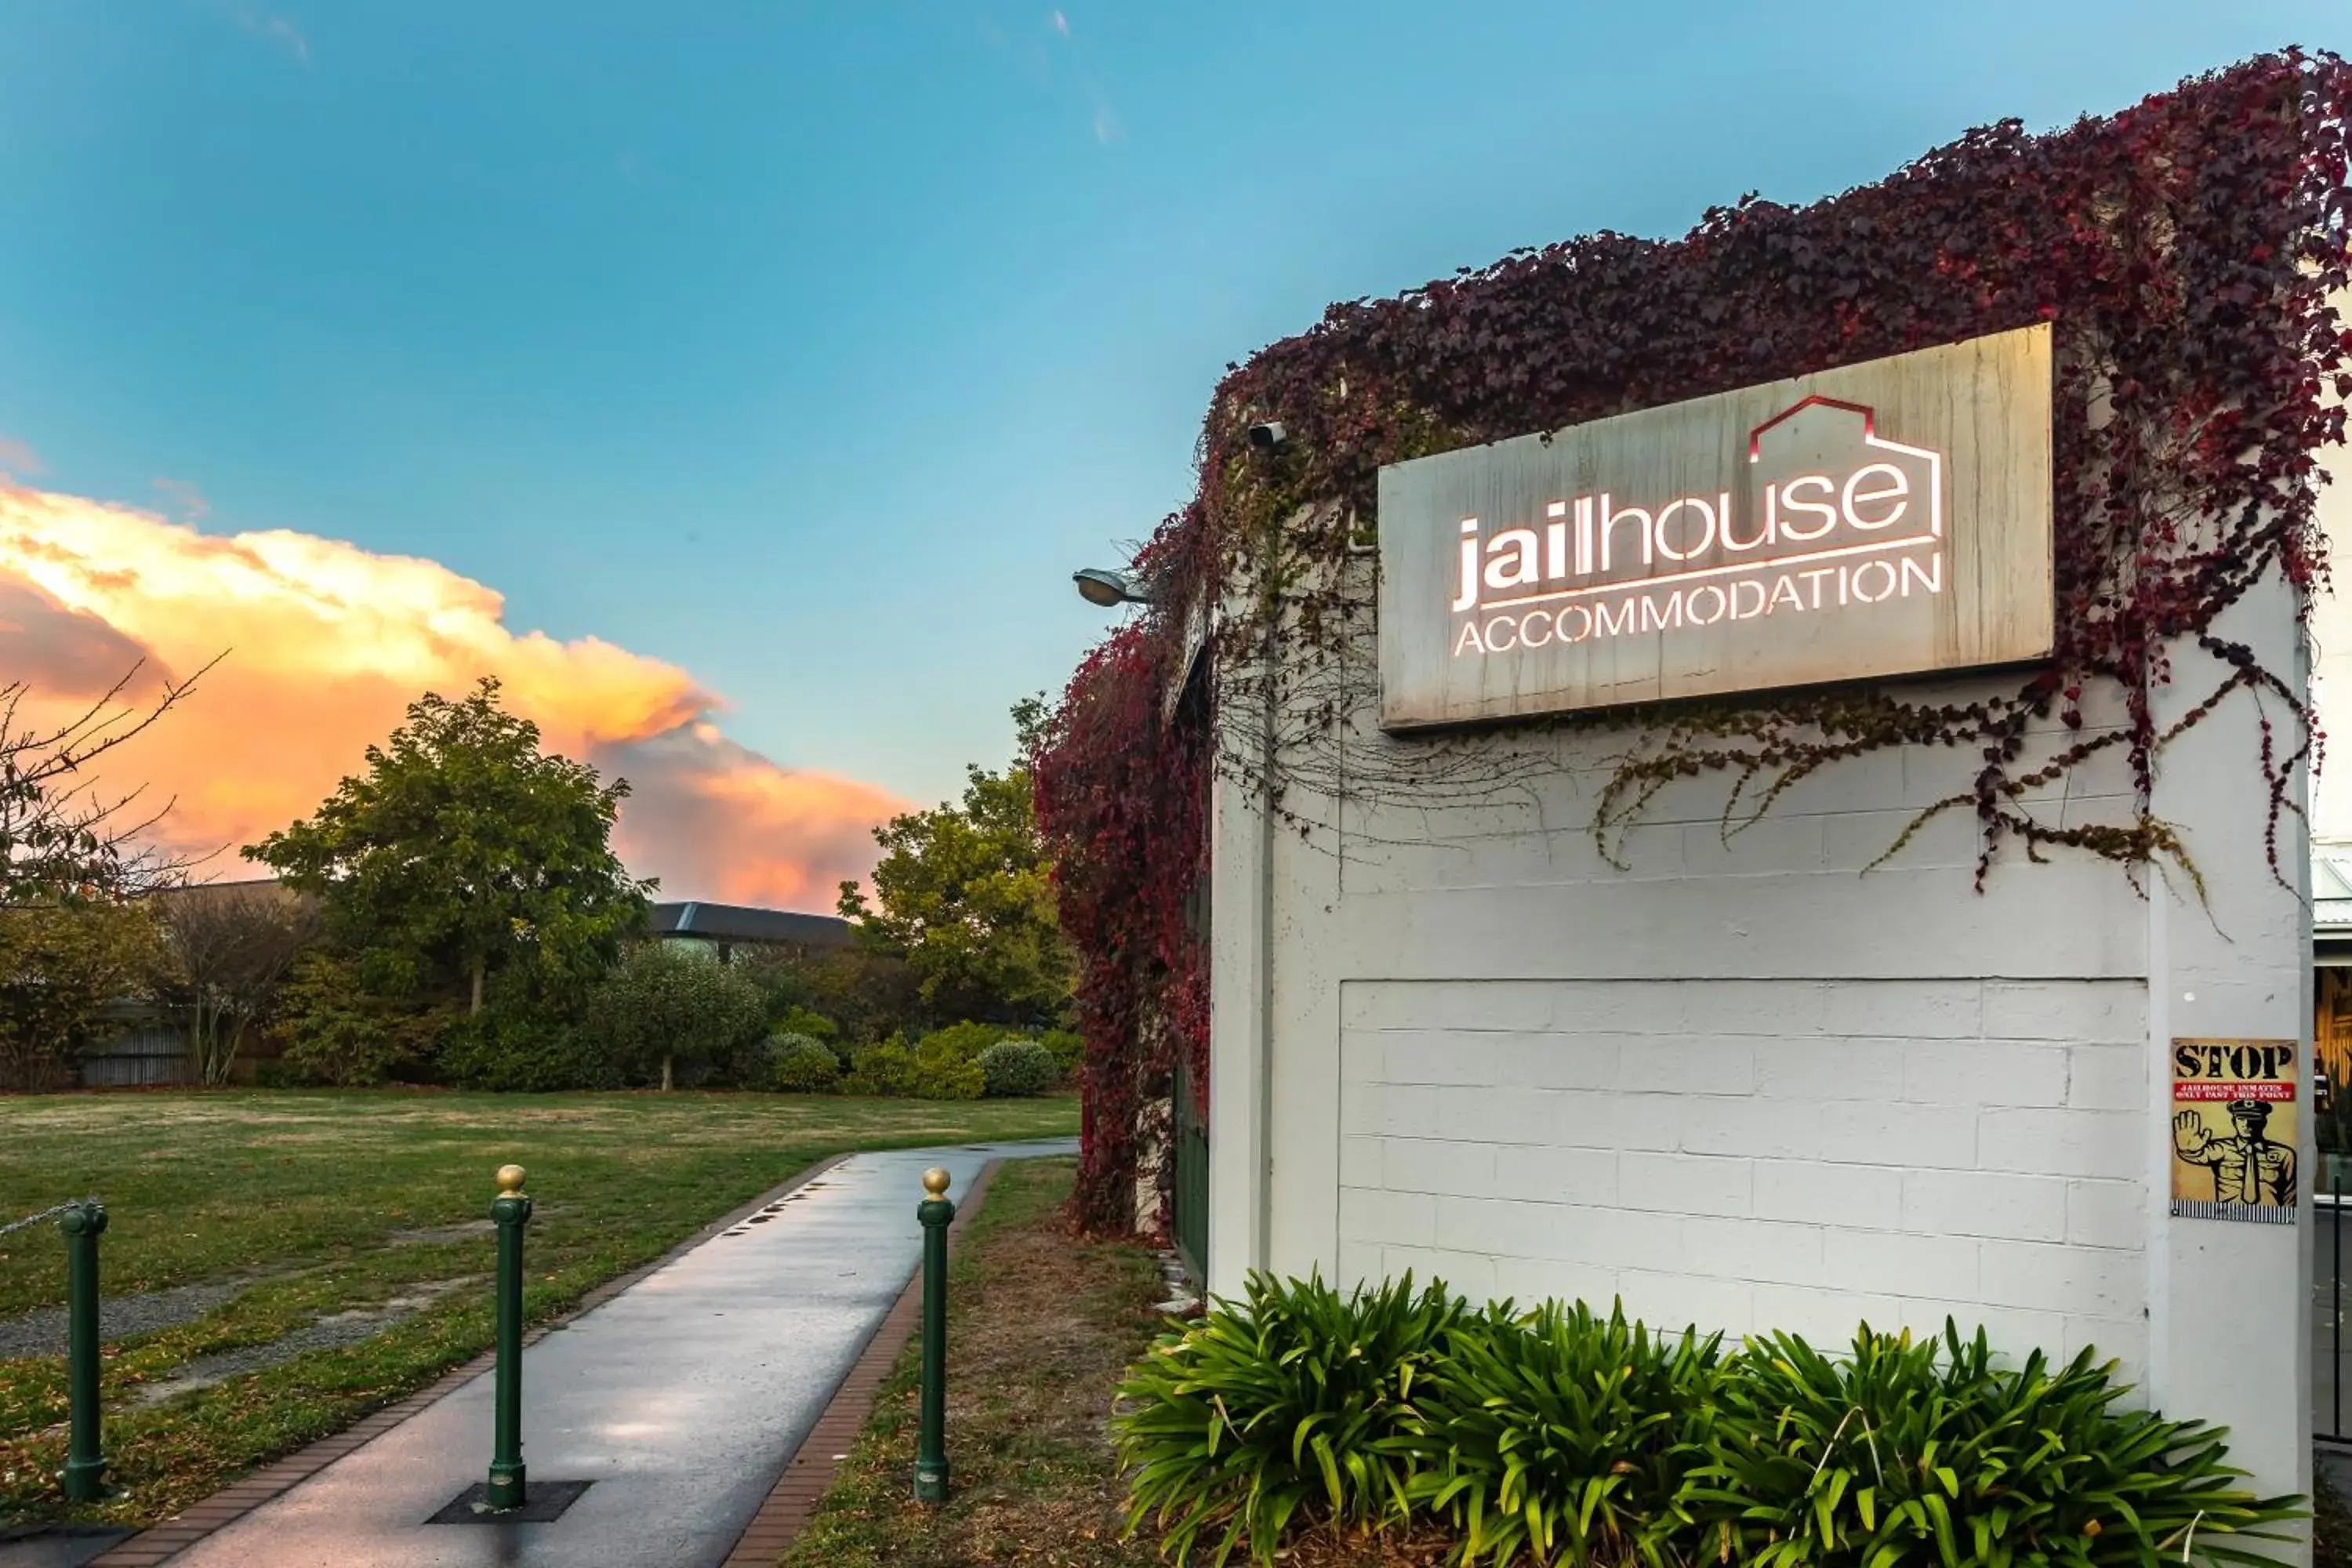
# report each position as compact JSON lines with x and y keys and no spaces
{"x":737,"y":922}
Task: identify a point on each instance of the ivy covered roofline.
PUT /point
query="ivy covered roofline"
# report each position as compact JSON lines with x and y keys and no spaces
{"x":2187,"y":251}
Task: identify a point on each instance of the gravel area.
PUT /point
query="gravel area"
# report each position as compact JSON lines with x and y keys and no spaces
{"x":326,"y":1333}
{"x":435,"y":1235}
{"x":43,"y":1333}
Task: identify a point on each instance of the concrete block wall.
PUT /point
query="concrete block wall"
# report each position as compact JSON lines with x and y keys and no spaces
{"x":1759,"y":1155}
{"x":1756,"y":1081}
{"x":1762,"y":997}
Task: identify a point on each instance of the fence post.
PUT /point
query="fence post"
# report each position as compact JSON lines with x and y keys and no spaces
{"x":85,"y":1462}
{"x":511,"y":1211}
{"x":931,"y":1444}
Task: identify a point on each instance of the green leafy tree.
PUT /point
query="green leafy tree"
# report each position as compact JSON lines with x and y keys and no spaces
{"x":849,"y":996}
{"x":468,"y":849}
{"x":966,"y":894}
{"x":64,"y":965}
{"x":870,"y":994}
{"x":666,"y":1014}
{"x":74,"y":939}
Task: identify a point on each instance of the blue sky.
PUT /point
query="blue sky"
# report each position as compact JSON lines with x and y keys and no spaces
{"x":812,"y":348}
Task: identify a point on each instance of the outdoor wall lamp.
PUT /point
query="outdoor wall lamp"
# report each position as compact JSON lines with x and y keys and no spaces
{"x":1109,"y":589}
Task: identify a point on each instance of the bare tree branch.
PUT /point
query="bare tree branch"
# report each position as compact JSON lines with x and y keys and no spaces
{"x":59,"y":836}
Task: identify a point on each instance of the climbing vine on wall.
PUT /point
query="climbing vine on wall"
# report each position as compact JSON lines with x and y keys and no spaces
{"x":2186,"y":253}
{"x":1121,"y":789}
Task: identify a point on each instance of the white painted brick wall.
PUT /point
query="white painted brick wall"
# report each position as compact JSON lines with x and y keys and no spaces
{"x":1985,"y":1203}
{"x":1752,"y":1154}
{"x":1869,"y":1197}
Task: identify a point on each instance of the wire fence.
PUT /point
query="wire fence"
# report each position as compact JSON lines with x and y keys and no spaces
{"x":50,"y":1213}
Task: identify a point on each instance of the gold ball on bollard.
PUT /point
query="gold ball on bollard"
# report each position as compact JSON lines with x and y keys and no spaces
{"x":509,"y":1181}
{"x":935,"y":1182}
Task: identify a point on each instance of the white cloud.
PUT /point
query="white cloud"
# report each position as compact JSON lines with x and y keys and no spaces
{"x":327,"y":643}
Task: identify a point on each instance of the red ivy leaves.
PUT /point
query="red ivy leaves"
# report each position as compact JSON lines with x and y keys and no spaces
{"x":2185,"y":250}
{"x":1121,"y":794}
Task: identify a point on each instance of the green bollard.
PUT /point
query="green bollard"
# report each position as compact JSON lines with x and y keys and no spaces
{"x":85,"y":1463}
{"x":931,"y":1444}
{"x":511,"y":1211}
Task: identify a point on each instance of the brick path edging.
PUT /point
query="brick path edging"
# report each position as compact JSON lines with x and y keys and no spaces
{"x":231,"y":1503}
{"x":814,"y":1464}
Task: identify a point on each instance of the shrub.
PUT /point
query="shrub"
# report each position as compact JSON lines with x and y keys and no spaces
{"x":808,"y":1022}
{"x":1566,"y":1435}
{"x":1297,"y":1399}
{"x":1069,"y":1049}
{"x":803,"y":1065}
{"x":1018,"y":1067}
{"x":1910,"y":1453}
{"x":512,"y":1049}
{"x":947,"y":1062}
{"x":887,"y":1070}
{"x":960,"y":1042}
{"x":748,"y":1064}
{"x":339,"y":1029}
{"x":945,"y":1075}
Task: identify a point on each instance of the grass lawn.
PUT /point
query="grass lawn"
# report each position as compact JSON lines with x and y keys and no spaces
{"x":324,"y":1203}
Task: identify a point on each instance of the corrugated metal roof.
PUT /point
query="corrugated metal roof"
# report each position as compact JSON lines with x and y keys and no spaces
{"x":2331,"y":890}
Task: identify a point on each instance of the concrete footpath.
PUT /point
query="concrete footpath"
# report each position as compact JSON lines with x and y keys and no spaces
{"x":680,"y":1400}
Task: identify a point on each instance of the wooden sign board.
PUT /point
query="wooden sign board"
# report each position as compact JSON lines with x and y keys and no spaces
{"x":1884,"y":519}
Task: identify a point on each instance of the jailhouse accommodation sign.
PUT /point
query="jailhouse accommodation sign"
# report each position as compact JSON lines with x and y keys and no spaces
{"x":1884,"y":519}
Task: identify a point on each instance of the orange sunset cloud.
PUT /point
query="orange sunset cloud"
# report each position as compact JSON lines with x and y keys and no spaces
{"x":327,"y":643}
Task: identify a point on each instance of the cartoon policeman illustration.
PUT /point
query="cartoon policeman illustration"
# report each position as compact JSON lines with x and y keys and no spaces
{"x":2248,"y":1168}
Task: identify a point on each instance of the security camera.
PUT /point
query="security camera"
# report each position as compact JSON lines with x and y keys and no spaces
{"x":1265,"y":437}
